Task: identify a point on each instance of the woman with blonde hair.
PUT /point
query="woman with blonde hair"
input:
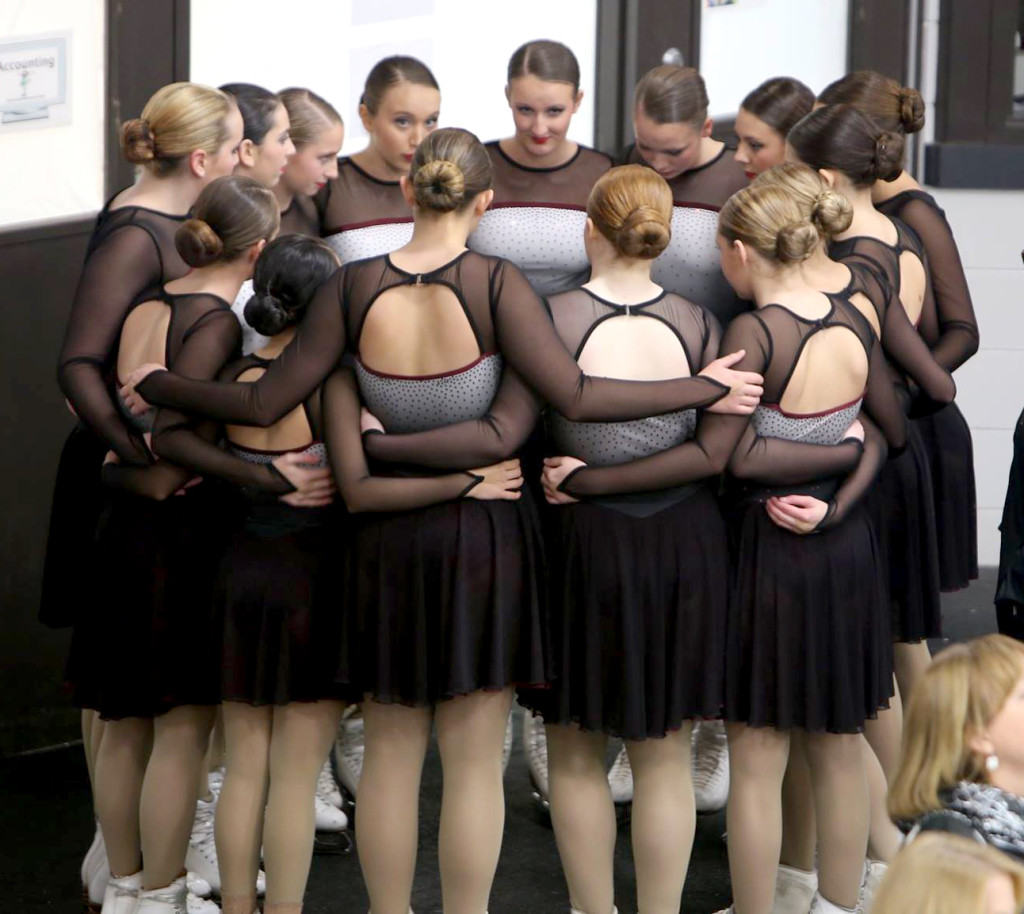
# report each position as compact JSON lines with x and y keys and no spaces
{"x":947,"y":874}
{"x":962,"y":767}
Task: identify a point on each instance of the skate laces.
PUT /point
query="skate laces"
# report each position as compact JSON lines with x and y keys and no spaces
{"x":621,"y":769}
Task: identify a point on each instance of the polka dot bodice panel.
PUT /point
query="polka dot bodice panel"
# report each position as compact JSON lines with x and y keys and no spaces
{"x":608,"y":443}
{"x":545,"y":242}
{"x":317,"y":450}
{"x":825,"y":428}
{"x":410,"y":404}
{"x":370,"y":240}
{"x":251,"y":340}
{"x":690,"y":265}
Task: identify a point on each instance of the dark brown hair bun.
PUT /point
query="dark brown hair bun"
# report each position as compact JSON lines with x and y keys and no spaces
{"x":198,"y":244}
{"x":645,"y":233}
{"x":137,"y":141}
{"x":888,"y":161}
{"x":911,"y":110}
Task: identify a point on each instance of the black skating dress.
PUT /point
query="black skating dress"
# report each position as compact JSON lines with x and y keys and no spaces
{"x":537,"y":217}
{"x":362,"y":216}
{"x":494,"y":547}
{"x":953,"y":336}
{"x":808,"y":635}
{"x":639,"y":567}
{"x":130,"y":256}
{"x":148,"y":642}
{"x":901,"y":503}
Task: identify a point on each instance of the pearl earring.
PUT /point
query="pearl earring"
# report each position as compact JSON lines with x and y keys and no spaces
{"x":991,"y":762}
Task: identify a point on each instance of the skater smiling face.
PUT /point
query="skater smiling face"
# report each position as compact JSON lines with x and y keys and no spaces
{"x":543,"y":92}
{"x":317,"y":132}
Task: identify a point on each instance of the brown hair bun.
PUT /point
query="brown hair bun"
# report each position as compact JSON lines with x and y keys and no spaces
{"x":198,"y":244}
{"x":888,"y":160}
{"x":832,"y":213}
{"x":911,"y":109}
{"x":796,"y":242}
{"x":440,"y":185}
{"x":137,"y":141}
{"x":645,"y":233}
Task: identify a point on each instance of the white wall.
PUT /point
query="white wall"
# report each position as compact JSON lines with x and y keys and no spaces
{"x":801,"y":38}
{"x":987,"y":227}
{"x":330,"y":47}
{"x":55,"y":172}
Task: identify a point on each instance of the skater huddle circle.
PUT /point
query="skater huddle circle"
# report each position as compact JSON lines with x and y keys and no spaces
{"x":480,"y":438}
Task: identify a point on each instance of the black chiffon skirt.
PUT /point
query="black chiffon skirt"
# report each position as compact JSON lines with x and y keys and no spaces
{"x":902,"y":512}
{"x":808,"y":640}
{"x":444,"y":601}
{"x":78,"y":500}
{"x":146,"y":640}
{"x":638,"y":617}
{"x":947,"y":440}
{"x":278,"y":605}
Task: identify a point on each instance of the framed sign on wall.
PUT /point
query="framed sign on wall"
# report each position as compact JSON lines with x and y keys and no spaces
{"x":34,"y":81}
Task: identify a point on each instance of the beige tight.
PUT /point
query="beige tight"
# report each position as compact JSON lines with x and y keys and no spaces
{"x":470,"y":736}
{"x":583,"y":815}
{"x":839,"y":791}
{"x":910,"y":660}
{"x":167,"y":806}
{"x":274,"y":755}
{"x":145,"y":791}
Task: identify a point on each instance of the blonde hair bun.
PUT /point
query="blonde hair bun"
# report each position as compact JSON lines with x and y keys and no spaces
{"x":796,"y":242}
{"x":440,"y":185}
{"x":198,"y":244}
{"x":645,"y":233}
{"x":832,"y":213}
{"x":137,"y":141}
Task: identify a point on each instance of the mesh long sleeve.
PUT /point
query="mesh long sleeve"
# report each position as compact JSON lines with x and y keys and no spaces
{"x":125,"y":264}
{"x":310,"y":357}
{"x":530,"y":344}
{"x":361,"y":490}
{"x":856,"y":485}
{"x":958,"y":336}
{"x":177,"y":438}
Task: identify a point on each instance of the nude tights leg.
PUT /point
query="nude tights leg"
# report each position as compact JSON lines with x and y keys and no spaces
{"x":799,"y":836}
{"x":168,"y":805}
{"x":910,"y":660}
{"x":300,"y":739}
{"x":239,"y":824}
{"x":842,"y":812}
{"x":885,"y":734}
{"x":387,"y":814}
{"x":884,"y":838}
{"x":757,"y":765}
{"x":120,"y":769}
{"x":583,"y":815}
{"x":471,"y":738}
{"x":664,"y":819}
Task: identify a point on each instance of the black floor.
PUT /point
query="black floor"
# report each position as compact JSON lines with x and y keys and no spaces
{"x":47,"y":827}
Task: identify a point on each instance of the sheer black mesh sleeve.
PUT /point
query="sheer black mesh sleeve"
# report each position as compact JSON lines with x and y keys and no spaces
{"x":361,"y":490}
{"x":901,"y":341}
{"x":211,"y":343}
{"x":310,"y":357}
{"x":775,"y":357}
{"x":958,"y":336}
{"x":211,"y":340}
{"x":530,"y":344}
{"x":718,"y":437}
{"x":126,"y":263}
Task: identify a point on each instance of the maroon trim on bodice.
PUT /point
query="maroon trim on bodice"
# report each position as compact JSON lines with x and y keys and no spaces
{"x":425,"y":377}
